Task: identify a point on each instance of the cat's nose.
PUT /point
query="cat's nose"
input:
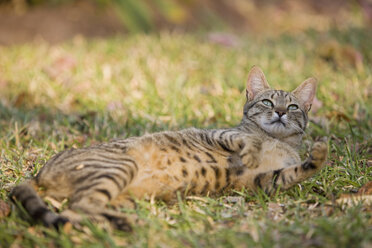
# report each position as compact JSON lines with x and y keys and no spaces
{"x":280,"y":113}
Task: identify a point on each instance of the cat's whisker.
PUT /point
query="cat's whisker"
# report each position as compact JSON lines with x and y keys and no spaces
{"x":296,"y":128}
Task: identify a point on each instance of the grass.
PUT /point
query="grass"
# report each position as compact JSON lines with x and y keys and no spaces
{"x":82,"y":92}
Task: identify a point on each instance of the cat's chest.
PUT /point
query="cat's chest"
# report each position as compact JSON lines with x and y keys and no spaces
{"x":275,"y":155}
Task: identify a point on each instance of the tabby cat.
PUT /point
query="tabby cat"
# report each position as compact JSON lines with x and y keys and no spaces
{"x":261,"y":152}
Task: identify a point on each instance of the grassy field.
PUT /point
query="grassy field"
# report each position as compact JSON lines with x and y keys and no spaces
{"x":83,"y":92}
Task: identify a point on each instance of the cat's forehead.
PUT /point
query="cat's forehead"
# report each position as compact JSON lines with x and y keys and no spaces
{"x":277,"y":95}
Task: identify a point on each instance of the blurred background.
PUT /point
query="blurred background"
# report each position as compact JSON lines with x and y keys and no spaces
{"x":57,"y":20}
{"x":99,"y":55}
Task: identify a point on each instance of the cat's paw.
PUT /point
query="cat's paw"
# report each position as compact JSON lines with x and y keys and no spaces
{"x":249,"y":153}
{"x":118,"y":221}
{"x":319,"y":152}
{"x":121,"y":224}
{"x":249,"y":159}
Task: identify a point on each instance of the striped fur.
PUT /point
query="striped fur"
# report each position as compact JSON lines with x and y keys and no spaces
{"x":261,"y":152}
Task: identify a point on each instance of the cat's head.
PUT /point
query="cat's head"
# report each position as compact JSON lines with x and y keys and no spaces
{"x":279,"y":113}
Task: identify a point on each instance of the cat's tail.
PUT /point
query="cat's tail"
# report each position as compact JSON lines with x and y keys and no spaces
{"x":26,"y":195}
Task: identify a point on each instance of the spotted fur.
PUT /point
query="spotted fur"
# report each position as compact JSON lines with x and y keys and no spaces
{"x":259,"y":153}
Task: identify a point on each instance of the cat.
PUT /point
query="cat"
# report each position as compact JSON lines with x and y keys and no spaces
{"x":260,"y":153}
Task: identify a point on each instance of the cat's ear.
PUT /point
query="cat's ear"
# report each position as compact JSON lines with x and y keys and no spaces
{"x":256,"y":82}
{"x":306,"y":92}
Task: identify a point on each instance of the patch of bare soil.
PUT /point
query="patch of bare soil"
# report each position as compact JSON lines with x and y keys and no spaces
{"x":20,"y":22}
{"x":57,"y":23}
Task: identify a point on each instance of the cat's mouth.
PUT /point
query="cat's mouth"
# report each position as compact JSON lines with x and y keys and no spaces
{"x":277,"y":126}
{"x":277,"y":121}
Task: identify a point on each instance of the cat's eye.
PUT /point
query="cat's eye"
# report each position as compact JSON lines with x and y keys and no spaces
{"x":267,"y":102}
{"x":292,"y":107}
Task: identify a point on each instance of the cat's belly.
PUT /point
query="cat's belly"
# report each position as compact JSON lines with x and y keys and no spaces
{"x":159,"y":184}
{"x":162,"y":173}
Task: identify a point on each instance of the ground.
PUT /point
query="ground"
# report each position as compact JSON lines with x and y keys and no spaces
{"x":81,"y":92}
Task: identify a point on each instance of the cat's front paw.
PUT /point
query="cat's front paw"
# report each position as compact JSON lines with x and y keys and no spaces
{"x":249,"y":159}
{"x":318,"y":153}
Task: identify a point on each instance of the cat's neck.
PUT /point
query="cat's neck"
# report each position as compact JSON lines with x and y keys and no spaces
{"x":249,"y":126}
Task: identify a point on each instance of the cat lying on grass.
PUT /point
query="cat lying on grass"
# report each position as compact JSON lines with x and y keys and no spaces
{"x":260,"y":153}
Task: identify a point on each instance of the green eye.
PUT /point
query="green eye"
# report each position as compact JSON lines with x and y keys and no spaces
{"x":268,"y":103}
{"x":292,"y":107}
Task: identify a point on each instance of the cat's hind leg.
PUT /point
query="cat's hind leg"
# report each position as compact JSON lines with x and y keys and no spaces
{"x":78,"y":214}
{"x":89,"y":200}
{"x":91,"y":203}
{"x":287,"y":177}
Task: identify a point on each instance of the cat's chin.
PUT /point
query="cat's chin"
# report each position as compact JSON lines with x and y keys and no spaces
{"x":276,"y":128}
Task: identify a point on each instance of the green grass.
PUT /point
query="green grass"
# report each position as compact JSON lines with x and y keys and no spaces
{"x":129,"y":86}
